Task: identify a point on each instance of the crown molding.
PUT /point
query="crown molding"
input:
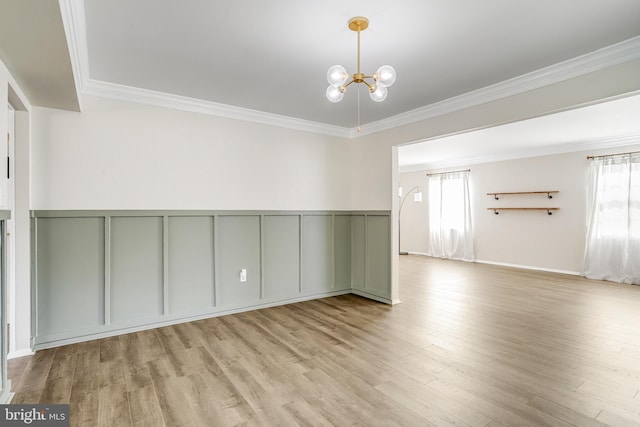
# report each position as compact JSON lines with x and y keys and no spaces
{"x":73,"y":17}
{"x":570,"y":147}
{"x":183,"y":103}
{"x":73,"y":21}
{"x":600,"y":59}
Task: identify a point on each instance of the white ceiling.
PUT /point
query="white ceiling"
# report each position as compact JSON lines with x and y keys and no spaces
{"x":609,"y":124}
{"x":272,"y":56}
{"x":261,"y":61}
{"x":34,"y":48}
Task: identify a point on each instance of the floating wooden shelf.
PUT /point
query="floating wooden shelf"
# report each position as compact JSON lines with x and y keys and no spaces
{"x":548,"y":193}
{"x":495,"y":210}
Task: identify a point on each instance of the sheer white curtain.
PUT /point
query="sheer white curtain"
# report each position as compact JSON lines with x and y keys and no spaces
{"x":613,"y":207}
{"x":450,"y":231}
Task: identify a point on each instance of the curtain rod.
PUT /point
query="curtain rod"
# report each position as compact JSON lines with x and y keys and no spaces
{"x":612,"y":155}
{"x":444,"y":173}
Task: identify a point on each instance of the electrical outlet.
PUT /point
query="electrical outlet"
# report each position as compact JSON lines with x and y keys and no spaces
{"x":243,"y":275}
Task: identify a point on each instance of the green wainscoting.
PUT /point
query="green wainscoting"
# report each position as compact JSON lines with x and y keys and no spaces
{"x":102,"y":273}
{"x":5,"y":383}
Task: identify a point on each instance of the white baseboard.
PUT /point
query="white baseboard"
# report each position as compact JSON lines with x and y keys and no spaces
{"x":506,"y":264}
{"x":527,"y":267}
{"x":159,"y":324}
{"x":368,"y":295}
{"x":20,"y":353}
{"x":431,"y":256}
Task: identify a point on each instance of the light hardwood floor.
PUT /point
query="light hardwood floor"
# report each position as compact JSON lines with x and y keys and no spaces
{"x":471,"y":344}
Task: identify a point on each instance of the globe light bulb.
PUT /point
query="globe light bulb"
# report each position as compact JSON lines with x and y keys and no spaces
{"x":334,"y":94}
{"x":385,"y":75}
{"x":337,"y":75}
{"x":379,"y":94}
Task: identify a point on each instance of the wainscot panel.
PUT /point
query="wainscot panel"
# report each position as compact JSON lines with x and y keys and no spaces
{"x":136,"y":268}
{"x":191,"y":263}
{"x":377,"y":251}
{"x":342,"y":251}
{"x":103,"y":273}
{"x":281,"y":255}
{"x":70,"y":274}
{"x":358,"y":251}
{"x":317,"y":253}
{"x":238,"y":251}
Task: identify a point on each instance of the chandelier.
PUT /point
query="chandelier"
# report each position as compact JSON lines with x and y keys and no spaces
{"x":337,"y":75}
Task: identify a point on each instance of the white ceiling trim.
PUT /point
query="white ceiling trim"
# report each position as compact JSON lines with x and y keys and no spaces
{"x":73,"y":17}
{"x":183,"y":103}
{"x":616,"y":54}
{"x":73,"y":21}
{"x":571,"y":147}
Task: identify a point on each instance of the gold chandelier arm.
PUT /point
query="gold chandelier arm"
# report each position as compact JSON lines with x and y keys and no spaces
{"x":369,"y":85}
{"x":345,"y":86}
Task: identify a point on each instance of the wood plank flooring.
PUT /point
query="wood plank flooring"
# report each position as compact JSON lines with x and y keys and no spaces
{"x":471,"y":344}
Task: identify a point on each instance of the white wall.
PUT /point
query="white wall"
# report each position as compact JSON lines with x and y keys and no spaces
{"x":372,"y":154}
{"x":118,"y":155}
{"x":374,"y":179}
{"x":523,"y":238}
{"x":532,"y":238}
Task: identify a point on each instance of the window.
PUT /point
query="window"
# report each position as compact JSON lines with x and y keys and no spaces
{"x":450,"y":231}
{"x":613,"y":235}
